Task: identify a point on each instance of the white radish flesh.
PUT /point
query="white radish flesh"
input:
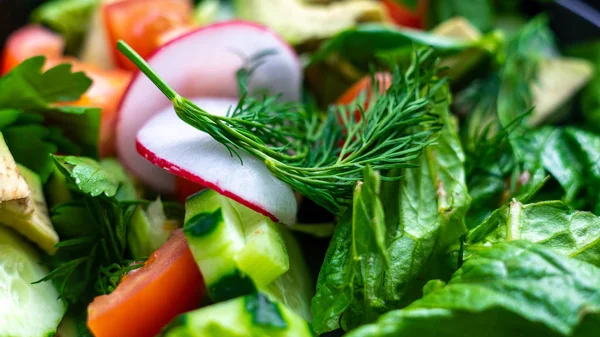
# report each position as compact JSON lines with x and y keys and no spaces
{"x":202,"y":63}
{"x":173,"y":145}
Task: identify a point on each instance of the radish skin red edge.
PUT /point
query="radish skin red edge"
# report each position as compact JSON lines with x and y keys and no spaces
{"x":202,"y":63}
{"x":197,"y":157}
{"x":154,"y":159}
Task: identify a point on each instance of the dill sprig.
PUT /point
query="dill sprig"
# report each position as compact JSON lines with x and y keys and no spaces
{"x":323,"y":157}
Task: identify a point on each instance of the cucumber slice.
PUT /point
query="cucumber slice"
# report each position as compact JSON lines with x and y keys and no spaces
{"x":149,"y":229}
{"x":249,"y":316}
{"x":26,"y":309}
{"x":229,"y":242}
{"x":239,"y":250}
{"x":295,"y":288}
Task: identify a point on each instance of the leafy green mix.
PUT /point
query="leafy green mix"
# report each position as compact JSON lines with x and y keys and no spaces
{"x":465,"y":224}
{"x":29,"y":104}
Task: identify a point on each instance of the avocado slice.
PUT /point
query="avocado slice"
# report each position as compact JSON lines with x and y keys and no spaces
{"x":558,"y":81}
{"x":299,"y":22}
{"x":36,"y":226}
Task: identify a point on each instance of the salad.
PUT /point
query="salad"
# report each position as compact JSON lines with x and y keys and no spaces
{"x":298,"y":168}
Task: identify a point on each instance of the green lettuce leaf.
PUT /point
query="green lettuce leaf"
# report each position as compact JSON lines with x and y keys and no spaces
{"x":498,"y":167}
{"x":382,"y":246}
{"x":361,"y":43}
{"x":511,"y":289}
{"x":550,"y":223}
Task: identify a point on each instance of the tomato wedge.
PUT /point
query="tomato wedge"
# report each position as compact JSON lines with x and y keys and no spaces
{"x":148,"y":298}
{"x":143,"y":24}
{"x":405,"y":16}
{"x":29,"y":41}
{"x":364,"y":85}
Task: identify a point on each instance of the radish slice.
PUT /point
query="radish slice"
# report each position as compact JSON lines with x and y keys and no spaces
{"x":202,"y":63}
{"x":173,"y":145}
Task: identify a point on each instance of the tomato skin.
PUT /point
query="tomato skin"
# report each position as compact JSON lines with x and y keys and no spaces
{"x":404,"y":16}
{"x":148,"y":298}
{"x":364,"y":85}
{"x":29,"y":41}
{"x":143,"y":24}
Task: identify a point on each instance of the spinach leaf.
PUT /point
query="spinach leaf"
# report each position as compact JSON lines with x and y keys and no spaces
{"x":550,"y":223}
{"x":497,"y":106}
{"x":361,"y":43}
{"x":353,"y":246}
{"x":571,"y":156}
{"x":517,"y":288}
{"x":479,"y":12}
{"x":381,"y":246}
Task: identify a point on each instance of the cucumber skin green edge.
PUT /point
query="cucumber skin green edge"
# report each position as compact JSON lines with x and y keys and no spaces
{"x":288,"y":323}
{"x":233,"y":284}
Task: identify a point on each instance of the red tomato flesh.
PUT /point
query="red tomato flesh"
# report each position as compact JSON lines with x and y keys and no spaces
{"x":365,"y":86}
{"x":405,"y":16}
{"x":143,"y":24}
{"x":148,"y":298}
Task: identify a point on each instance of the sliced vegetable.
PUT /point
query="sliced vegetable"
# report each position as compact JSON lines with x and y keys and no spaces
{"x":198,"y":73}
{"x":140,"y":23}
{"x":408,"y":16}
{"x":13,"y":185}
{"x":27,"y":309}
{"x":365,"y":87}
{"x":252,"y":316}
{"x":149,"y":230}
{"x":29,"y":41}
{"x":35,"y":226}
{"x":197,"y":157}
{"x":149,"y":297}
{"x":236,"y":249}
{"x":509,"y":288}
{"x":310,"y":21}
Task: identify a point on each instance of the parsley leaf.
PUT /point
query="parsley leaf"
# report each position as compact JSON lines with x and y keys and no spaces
{"x":92,"y":255}
{"x":28,"y":98}
{"x":28,"y":87}
{"x":88,"y":174}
